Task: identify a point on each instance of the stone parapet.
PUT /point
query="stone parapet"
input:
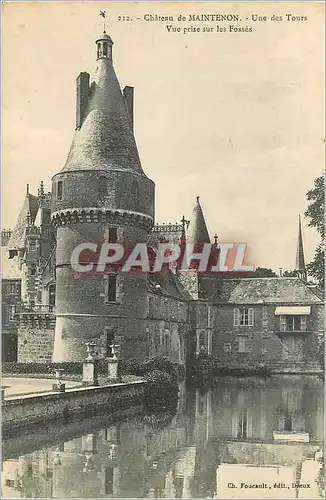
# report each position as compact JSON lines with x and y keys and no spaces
{"x":76,"y":403}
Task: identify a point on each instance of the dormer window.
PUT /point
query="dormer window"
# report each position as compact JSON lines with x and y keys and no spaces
{"x":59,"y":190}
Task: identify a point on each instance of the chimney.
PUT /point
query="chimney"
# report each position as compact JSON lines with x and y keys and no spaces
{"x":128,"y":93}
{"x":82,"y":98}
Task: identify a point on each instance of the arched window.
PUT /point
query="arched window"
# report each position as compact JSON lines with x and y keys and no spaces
{"x":102,"y":187}
{"x":135,"y":189}
{"x":59,"y":190}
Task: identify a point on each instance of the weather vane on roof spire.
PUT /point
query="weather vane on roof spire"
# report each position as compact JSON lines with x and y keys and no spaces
{"x":103,"y":14}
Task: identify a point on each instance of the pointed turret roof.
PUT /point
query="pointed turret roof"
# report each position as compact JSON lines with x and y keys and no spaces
{"x":197,"y":231}
{"x":105,"y":140}
{"x":26,"y":215}
{"x":300,"y":260}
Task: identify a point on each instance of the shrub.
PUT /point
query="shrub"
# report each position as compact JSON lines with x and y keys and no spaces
{"x":206,"y":369}
{"x":69,"y":368}
{"x":161,"y":389}
{"x":139,"y":367}
{"x":143,"y":367}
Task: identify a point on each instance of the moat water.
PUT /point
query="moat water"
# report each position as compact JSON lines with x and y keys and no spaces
{"x":242,"y":438}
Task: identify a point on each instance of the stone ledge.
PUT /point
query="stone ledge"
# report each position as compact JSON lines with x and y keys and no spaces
{"x":19,"y":412}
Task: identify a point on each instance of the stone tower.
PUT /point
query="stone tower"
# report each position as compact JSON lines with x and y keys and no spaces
{"x":101,"y":194}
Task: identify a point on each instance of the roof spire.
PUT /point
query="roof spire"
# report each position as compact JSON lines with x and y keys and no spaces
{"x":197,"y":231}
{"x":300,"y":260}
{"x":104,"y":138}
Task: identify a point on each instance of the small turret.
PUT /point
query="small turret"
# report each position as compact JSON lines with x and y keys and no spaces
{"x":104,"y":46}
{"x":197,"y":232}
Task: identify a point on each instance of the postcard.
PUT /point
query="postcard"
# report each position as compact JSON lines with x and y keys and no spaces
{"x":163,"y":249}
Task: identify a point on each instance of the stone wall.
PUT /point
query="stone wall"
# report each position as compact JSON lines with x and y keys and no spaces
{"x":263,"y":344}
{"x":167,"y":327}
{"x":19,"y":412}
{"x":11,"y":290}
{"x":35,"y":338}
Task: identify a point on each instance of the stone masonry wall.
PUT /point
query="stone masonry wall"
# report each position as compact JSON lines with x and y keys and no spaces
{"x":35,"y":341}
{"x":167,"y":327}
{"x":27,"y":410}
{"x":263,"y":344}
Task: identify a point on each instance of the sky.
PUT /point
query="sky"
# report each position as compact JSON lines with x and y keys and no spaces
{"x":236,"y":118}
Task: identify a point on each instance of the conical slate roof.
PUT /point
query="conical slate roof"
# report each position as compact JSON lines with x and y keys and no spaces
{"x":197,"y":231}
{"x":300,"y":260}
{"x":28,"y":210}
{"x":105,"y":140}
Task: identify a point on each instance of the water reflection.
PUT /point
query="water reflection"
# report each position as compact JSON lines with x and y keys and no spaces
{"x":249,"y":432}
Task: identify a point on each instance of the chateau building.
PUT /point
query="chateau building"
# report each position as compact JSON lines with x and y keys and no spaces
{"x":103,"y":194}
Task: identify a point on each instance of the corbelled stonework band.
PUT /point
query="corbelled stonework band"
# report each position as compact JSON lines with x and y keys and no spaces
{"x":97,"y":215}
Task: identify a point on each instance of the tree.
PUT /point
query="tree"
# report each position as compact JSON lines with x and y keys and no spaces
{"x":290,"y":274}
{"x":263,"y":272}
{"x":315,"y":212}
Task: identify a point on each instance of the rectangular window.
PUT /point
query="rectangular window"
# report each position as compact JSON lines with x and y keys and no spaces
{"x":303,"y":323}
{"x":59,"y":190}
{"x":227,"y":348}
{"x":283,"y":323}
{"x":151,"y":307}
{"x":293,"y":323}
{"x":12,"y":289}
{"x":242,"y":424}
{"x":250,"y":316}
{"x":33,"y":270}
{"x":112,"y":288}
{"x":113,"y":234}
{"x":243,"y":316}
{"x":236,"y":316}
{"x":103,"y":189}
{"x":12,"y":312}
{"x":32,"y":244}
{"x":243,"y":344}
